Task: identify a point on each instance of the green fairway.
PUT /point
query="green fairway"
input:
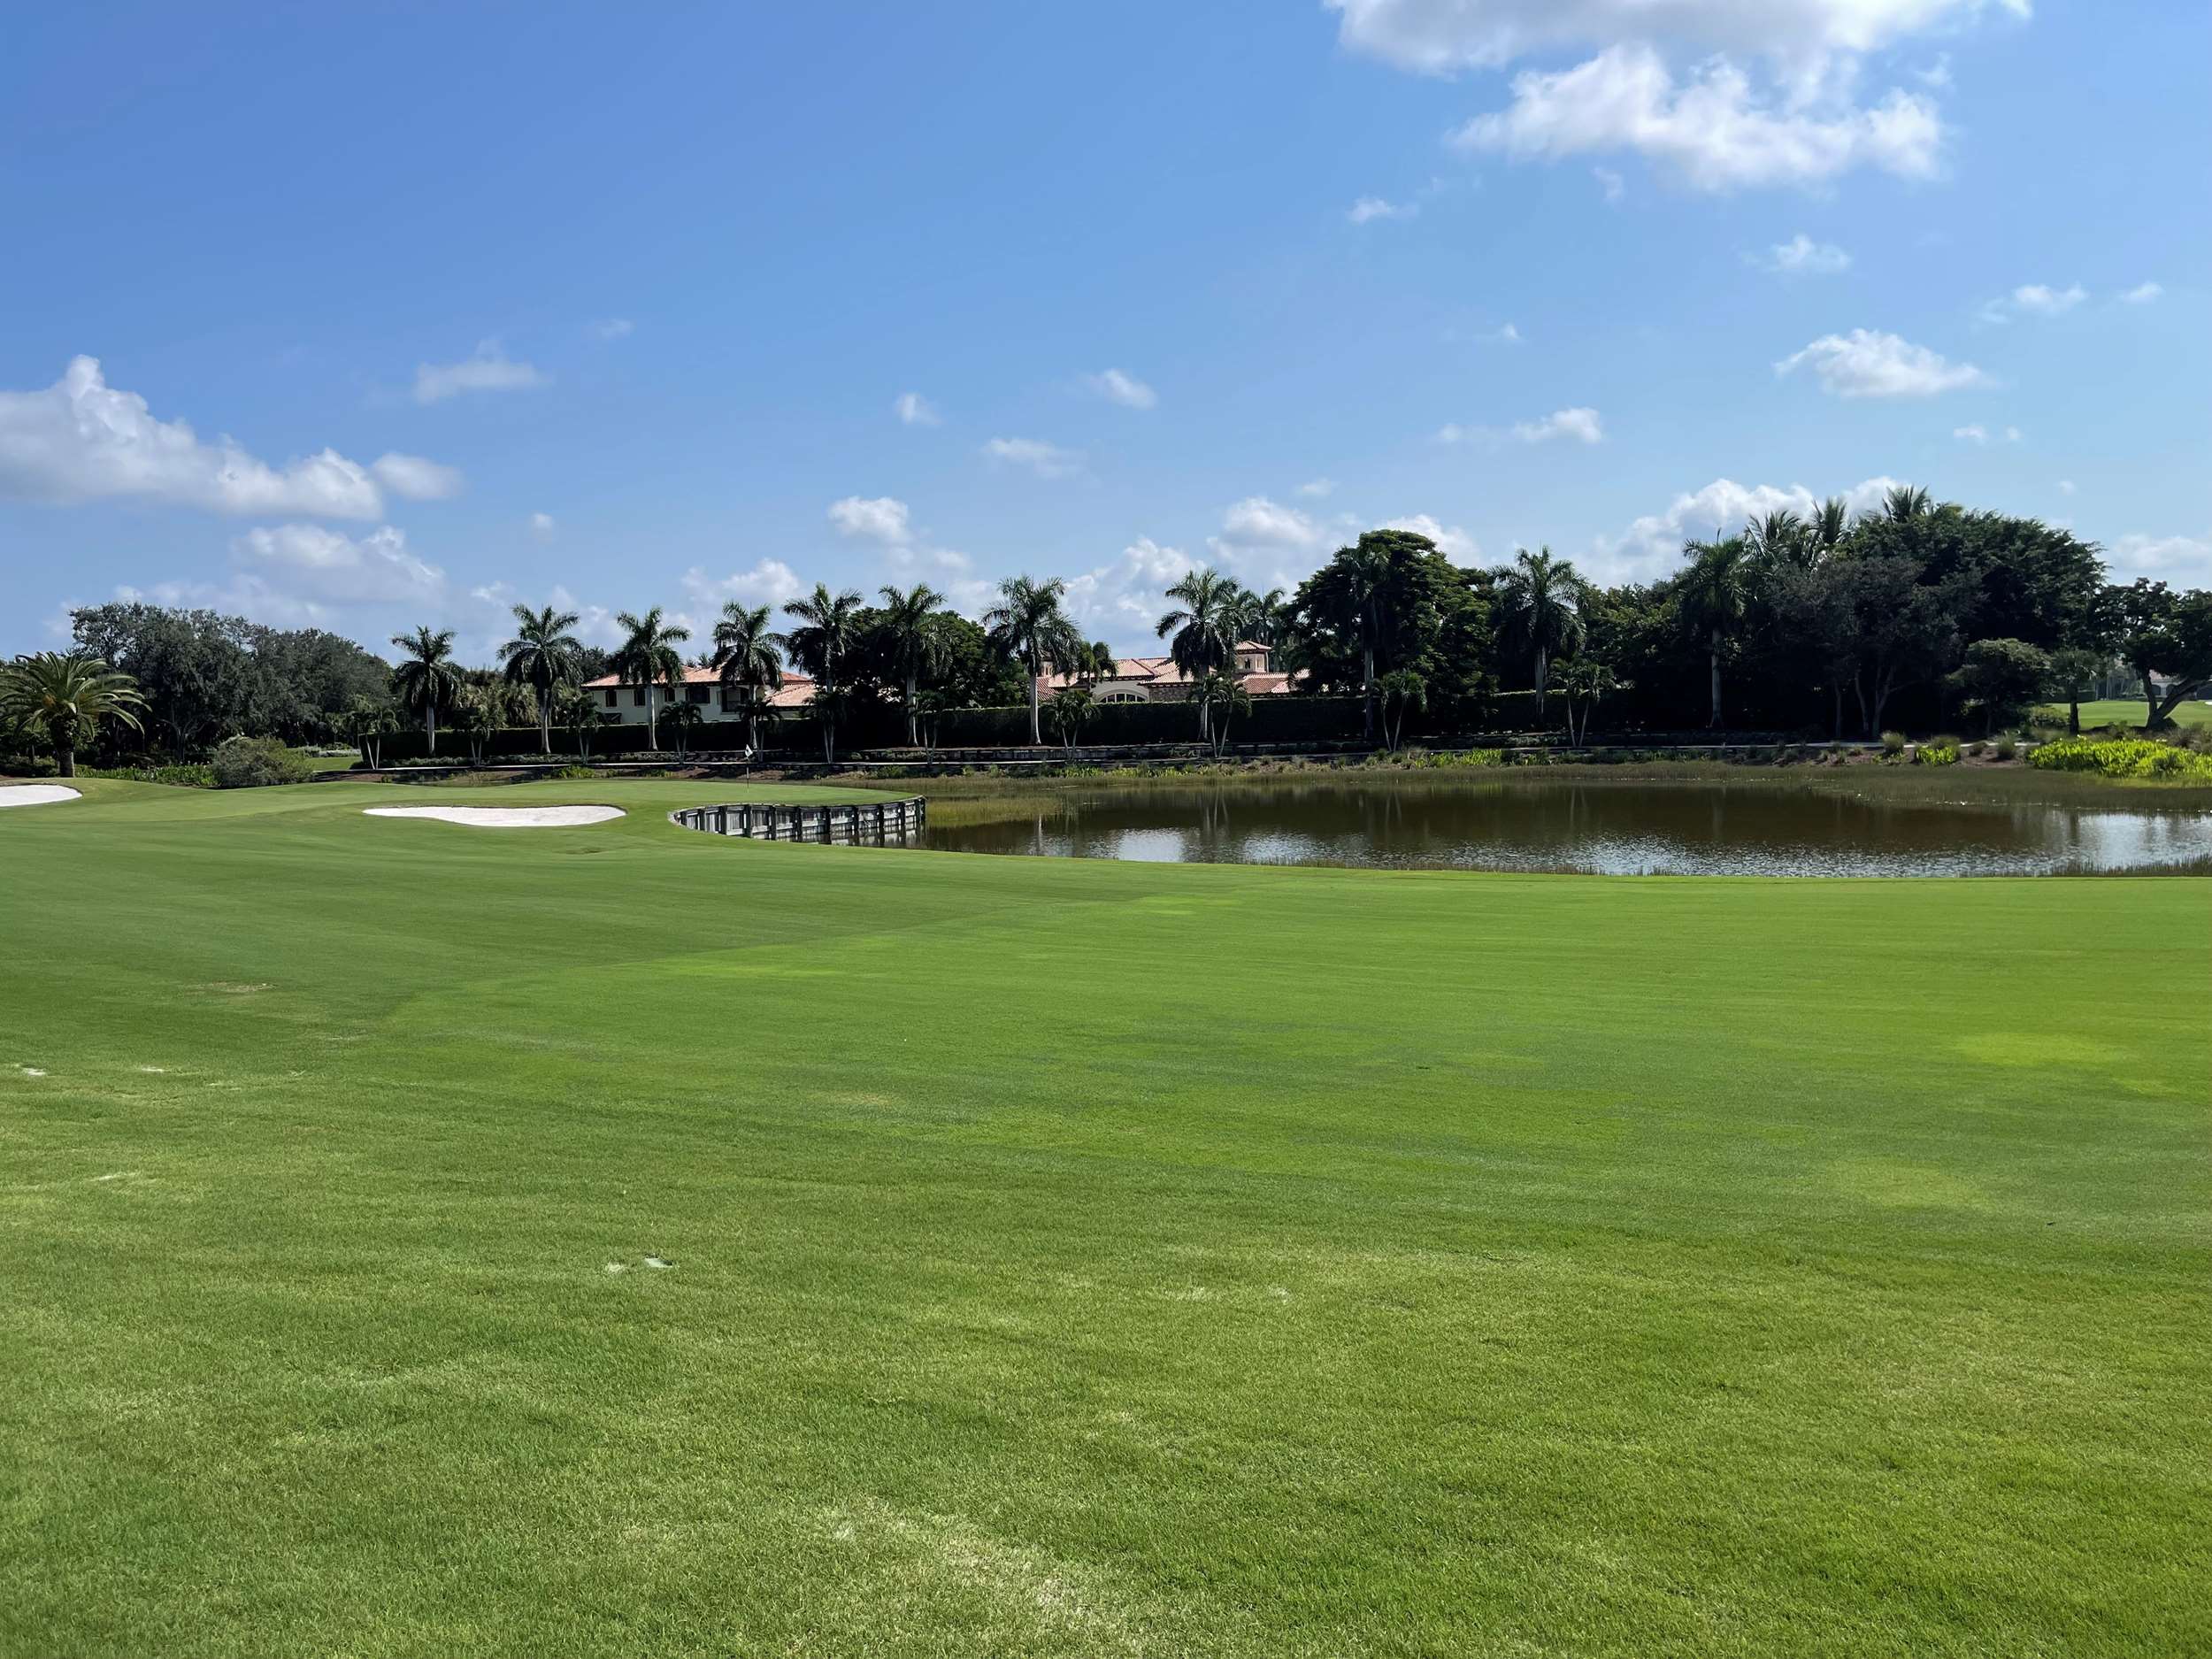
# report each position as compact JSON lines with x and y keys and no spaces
{"x":1080,"y":1257}
{"x":2132,"y":712}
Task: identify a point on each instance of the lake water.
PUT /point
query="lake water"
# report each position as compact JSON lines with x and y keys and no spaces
{"x":1602,"y":828}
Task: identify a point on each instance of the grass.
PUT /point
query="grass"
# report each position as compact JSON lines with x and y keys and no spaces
{"x":2130,"y":712}
{"x":1076,"y":1258}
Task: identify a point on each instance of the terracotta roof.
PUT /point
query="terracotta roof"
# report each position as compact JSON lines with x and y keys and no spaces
{"x":695,"y":677}
{"x":1162,"y":671}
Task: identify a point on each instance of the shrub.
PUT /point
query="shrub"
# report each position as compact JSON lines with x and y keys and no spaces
{"x":2124,"y":757}
{"x":572,"y":774}
{"x":1937,"y":751}
{"x":2006,"y":749}
{"x":199,"y":777}
{"x":1893,"y":745}
{"x":252,"y":763}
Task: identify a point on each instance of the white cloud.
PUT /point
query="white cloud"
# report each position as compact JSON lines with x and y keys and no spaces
{"x":1046,"y":460}
{"x":81,"y":440}
{"x":1445,"y":36}
{"x":768,"y":582}
{"x":2142,"y":293}
{"x":1454,"y":542}
{"x":2066,"y":486}
{"x":490,"y":369}
{"x":1255,"y":521}
{"x":614,"y":328}
{"x":1652,"y":543}
{"x":1868,"y":364}
{"x":1801,"y":256}
{"x":1582,"y":425}
{"x":1370,"y":208}
{"x":1116,"y":387}
{"x":1609,"y":183}
{"x":1123,"y":599}
{"x":1317,"y":488}
{"x":2012,"y":435}
{"x":314,"y":562}
{"x":1972,"y":435}
{"x":2033,"y":299}
{"x":883,"y":518}
{"x":2186,"y":560}
{"x":914,"y":410}
{"x":595,"y":625}
{"x":1712,"y":129}
{"x":414,"y":479}
{"x":1937,"y":74}
{"x":542,"y":526}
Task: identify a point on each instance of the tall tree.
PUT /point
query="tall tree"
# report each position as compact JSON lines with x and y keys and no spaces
{"x":66,"y":698}
{"x":828,"y":626}
{"x":427,"y":679}
{"x":917,"y":645}
{"x":648,"y":655}
{"x":1029,"y":626}
{"x":748,"y":658}
{"x":1203,"y":625}
{"x":1540,"y":598}
{"x":542,"y":657}
{"x":1716,"y":592}
{"x":2166,"y":634}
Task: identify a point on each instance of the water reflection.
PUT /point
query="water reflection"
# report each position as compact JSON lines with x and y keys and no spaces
{"x":1609,"y":829}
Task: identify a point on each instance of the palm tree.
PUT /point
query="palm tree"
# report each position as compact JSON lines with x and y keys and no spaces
{"x":683,"y":717}
{"x":1095,"y":662}
{"x":366,"y":721}
{"x":1205,"y":624}
{"x":648,"y":655}
{"x":1581,"y":683}
{"x":1831,"y":523}
{"x":1904,"y":503}
{"x":66,"y":695}
{"x":1405,"y":691}
{"x":828,"y":623}
{"x":1070,"y":707}
{"x":747,"y":656}
{"x":478,"y":714}
{"x":1029,"y":626}
{"x":1542,"y":600}
{"x":1268,"y":617}
{"x":918,"y":644}
{"x":1716,"y":592}
{"x":578,"y":714}
{"x":426,"y":678}
{"x":1222,"y":694}
{"x":542,"y":657}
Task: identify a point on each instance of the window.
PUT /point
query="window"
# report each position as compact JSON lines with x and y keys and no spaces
{"x":695,"y":693}
{"x":637,"y":696}
{"x":611,"y":697}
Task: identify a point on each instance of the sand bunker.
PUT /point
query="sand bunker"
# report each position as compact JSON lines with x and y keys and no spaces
{"x":35,"y":794}
{"x":502,"y":816}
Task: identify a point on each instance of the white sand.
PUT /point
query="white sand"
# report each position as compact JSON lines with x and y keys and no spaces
{"x":35,"y":794}
{"x":502,"y":816}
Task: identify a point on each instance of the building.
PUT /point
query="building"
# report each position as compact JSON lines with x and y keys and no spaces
{"x":623,"y":701}
{"x":1157,"y":679}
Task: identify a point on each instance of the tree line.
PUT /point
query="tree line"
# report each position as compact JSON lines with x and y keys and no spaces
{"x":1918,"y":612}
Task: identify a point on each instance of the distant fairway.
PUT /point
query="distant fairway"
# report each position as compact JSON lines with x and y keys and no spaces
{"x":2132,"y":712}
{"x":1080,"y":1257}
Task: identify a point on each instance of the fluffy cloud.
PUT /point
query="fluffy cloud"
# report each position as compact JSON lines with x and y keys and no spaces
{"x":490,"y":369}
{"x":1712,"y":130}
{"x":1443,"y":36}
{"x":1255,"y":521}
{"x":1317,"y":488}
{"x":1652,"y":543}
{"x":768,"y":582}
{"x":1801,"y":256}
{"x":1582,"y":425}
{"x":1454,"y":542}
{"x":2183,"y":560}
{"x":2033,"y":299}
{"x":1046,"y":460}
{"x":314,"y":562}
{"x":1867,"y":363}
{"x":1116,"y":387}
{"x":2142,"y":293}
{"x":542,"y":526}
{"x":1978,"y":434}
{"x":914,"y":410}
{"x":1370,"y":208}
{"x":414,"y":479}
{"x":83,"y":440}
{"x":1123,"y":599}
{"x":883,"y":518}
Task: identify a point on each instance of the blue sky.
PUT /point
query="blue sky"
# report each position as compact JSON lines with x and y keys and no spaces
{"x":371,"y":316}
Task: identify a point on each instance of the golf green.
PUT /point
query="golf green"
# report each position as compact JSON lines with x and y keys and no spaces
{"x":430,"y":1239}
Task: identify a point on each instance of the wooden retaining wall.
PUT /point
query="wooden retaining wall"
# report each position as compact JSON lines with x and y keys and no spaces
{"x":879,"y":822}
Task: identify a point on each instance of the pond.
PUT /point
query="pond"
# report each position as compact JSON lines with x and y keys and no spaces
{"x":1598,"y":827}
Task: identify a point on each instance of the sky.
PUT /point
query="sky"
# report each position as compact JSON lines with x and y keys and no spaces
{"x":365,"y":316}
